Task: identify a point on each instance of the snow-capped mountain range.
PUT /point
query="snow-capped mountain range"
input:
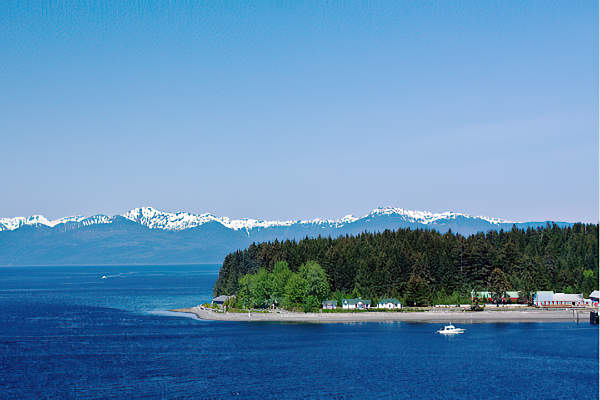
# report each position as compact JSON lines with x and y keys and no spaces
{"x":149,"y":236}
{"x":156,"y":219}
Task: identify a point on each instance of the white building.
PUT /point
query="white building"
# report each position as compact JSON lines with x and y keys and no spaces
{"x":356,"y":304}
{"x":389,"y":303}
{"x":557,"y":300}
{"x":593,"y":300}
{"x":329,"y":304}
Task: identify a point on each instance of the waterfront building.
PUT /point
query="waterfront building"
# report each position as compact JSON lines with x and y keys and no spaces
{"x":543,"y":297}
{"x":548,"y":298}
{"x":220,"y":300}
{"x":590,"y":303}
{"x":389,"y":303}
{"x":593,"y":300}
{"x":510,"y":296}
{"x":329,"y":304}
{"x":356,"y":304}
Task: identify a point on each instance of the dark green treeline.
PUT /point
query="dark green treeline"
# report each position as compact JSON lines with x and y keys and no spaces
{"x":381,"y":264}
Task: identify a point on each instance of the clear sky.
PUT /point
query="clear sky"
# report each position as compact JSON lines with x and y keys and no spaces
{"x":300,"y":109}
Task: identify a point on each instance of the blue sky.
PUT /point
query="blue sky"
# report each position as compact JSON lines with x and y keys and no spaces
{"x":300,"y":109}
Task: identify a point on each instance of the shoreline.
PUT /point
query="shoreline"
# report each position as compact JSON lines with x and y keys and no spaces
{"x":532,"y":315}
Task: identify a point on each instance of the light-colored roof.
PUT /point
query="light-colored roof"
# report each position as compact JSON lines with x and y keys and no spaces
{"x":595,"y":293}
{"x":221,"y":299}
{"x":392,"y":300}
{"x":544,"y":295}
{"x":487,"y":294}
{"x":356,"y":301}
{"x":548,"y":295}
{"x":567,"y":297}
{"x":333,"y":302}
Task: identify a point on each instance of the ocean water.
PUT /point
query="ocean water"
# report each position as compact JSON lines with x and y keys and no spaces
{"x":67,"y":333}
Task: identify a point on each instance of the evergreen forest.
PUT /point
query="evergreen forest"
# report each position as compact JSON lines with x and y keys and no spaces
{"x":420,"y":267}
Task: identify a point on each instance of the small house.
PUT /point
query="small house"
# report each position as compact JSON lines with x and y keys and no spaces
{"x":483,"y":296}
{"x":593,"y":300}
{"x":329,"y":304}
{"x":389,"y":303}
{"x":356,"y":304}
{"x":512,"y":295}
{"x":487,"y":296}
{"x":220,"y":300}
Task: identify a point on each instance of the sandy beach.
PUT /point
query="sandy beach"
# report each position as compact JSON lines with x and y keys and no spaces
{"x":433,"y":316}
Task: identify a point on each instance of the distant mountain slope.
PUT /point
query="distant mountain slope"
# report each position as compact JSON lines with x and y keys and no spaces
{"x":149,"y":236}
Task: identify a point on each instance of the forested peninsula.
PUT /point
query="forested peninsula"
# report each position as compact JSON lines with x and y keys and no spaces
{"x":441,"y":267}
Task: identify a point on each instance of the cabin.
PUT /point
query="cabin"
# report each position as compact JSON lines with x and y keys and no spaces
{"x":392,"y":303}
{"x":482,"y":296}
{"x":329,"y":304}
{"x":510,"y":296}
{"x":590,"y":303}
{"x":593,"y":300}
{"x":220,"y":300}
{"x":549,"y":299}
{"x":356,"y":304}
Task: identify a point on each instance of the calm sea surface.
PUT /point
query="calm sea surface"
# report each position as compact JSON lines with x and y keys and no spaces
{"x":67,"y":333}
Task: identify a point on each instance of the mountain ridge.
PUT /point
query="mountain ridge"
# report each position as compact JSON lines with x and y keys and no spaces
{"x":157,"y":219}
{"x":148,"y":236}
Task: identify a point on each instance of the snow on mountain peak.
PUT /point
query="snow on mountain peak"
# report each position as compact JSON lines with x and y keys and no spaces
{"x":17,"y":222}
{"x":347,"y":219}
{"x":326,"y":221}
{"x":426,"y":217}
{"x":10,"y":224}
{"x":156,"y":219}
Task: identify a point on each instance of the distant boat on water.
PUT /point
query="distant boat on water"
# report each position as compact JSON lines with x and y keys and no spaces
{"x":451,"y":330}
{"x":104,"y":276}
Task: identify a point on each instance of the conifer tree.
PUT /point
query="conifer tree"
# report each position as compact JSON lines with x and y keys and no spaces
{"x":498,"y":285}
{"x":417,"y":291}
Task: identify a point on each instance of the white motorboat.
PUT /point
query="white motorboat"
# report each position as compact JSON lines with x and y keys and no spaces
{"x":104,"y":277}
{"x":451,"y":330}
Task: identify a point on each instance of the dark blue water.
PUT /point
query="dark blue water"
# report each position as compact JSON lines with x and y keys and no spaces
{"x":66,"y":333}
